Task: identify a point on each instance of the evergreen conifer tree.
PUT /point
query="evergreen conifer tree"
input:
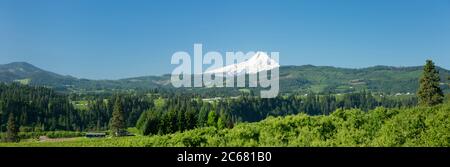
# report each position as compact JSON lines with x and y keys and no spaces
{"x":429,"y":92}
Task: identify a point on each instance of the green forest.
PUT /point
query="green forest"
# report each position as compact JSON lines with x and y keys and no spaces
{"x":156,"y":117}
{"x":417,"y":126}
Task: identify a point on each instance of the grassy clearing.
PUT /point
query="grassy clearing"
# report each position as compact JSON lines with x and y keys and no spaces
{"x":25,"y":81}
{"x":81,"y":105}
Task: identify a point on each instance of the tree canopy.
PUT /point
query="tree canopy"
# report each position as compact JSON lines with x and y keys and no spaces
{"x":429,"y":92}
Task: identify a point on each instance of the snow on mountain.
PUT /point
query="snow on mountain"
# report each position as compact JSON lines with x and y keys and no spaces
{"x":258,"y":62}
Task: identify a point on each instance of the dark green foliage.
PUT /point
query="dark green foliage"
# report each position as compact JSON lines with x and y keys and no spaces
{"x":193,"y":141}
{"x":182,"y":113}
{"x":37,"y":107}
{"x":381,"y":127}
{"x":220,"y":123}
{"x":416,"y":127}
{"x":42,"y":109}
{"x":11,"y":130}
{"x":306,"y":78}
{"x":212,"y":119}
{"x":429,"y":92}
{"x":99,"y":110}
{"x":203,"y":116}
{"x":118,"y":124}
{"x":151,"y":123}
{"x":1,"y":127}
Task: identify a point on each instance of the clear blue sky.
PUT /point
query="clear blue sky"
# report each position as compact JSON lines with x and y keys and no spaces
{"x":110,"y":39}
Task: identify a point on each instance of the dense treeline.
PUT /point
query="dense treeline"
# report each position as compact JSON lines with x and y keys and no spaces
{"x":37,"y":108}
{"x":250,"y":109}
{"x":99,"y":110}
{"x":181,"y":113}
{"x":42,"y":109}
{"x":326,"y":119}
{"x":416,"y":127}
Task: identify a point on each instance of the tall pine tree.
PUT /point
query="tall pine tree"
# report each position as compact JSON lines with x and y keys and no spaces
{"x":1,"y":123}
{"x":212,"y":119}
{"x":429,"y":92}
{"x":12,"y":130}
{"x":118,"y":120}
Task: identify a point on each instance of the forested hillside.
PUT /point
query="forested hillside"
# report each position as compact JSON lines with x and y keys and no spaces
{"x":37,"y":108}
{"x":182,"y":113}
{"x":293,"y":79}
{"x":375,"y":79}
{"x":42,"y":109}
{"x":357,"y":118}
{"x":417,"y":126}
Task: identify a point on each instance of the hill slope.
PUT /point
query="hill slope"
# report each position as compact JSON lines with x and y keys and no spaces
{"x":378,"y":78}
{"x":292,"y":79}
{"x":412,"y":127}
{"x":26,"y":73}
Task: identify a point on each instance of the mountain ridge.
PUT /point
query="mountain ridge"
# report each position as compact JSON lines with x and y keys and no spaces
{"x":301,"y":78}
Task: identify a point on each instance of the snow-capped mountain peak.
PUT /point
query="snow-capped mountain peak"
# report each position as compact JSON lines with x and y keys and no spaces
{"x":258,"y":62}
